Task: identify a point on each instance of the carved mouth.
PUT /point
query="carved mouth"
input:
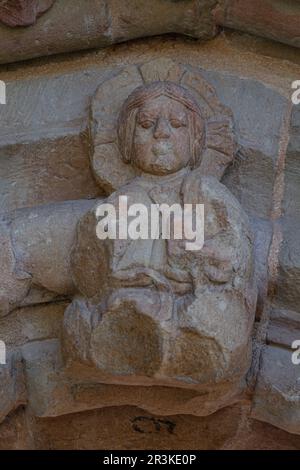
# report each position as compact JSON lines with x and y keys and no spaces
{"x":162,"y":149}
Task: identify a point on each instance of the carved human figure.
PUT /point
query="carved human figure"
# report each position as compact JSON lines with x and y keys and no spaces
{"x":150,"y":311}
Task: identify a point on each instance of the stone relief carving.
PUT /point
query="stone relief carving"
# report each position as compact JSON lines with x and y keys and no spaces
{"x":22,"y":12}
{"x":150,"y":312}
{"x":144,"y":312}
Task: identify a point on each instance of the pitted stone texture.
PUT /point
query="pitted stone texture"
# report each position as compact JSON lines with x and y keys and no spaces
{"x":83,"y":24}
{"x":48,"y":151}
{"x":35,"y":250}
{"x":33,"y":323}
{"x":45,"y":171}
{"x":284,"y":328}
{"x":12,"y":384}
{"x":55,"y":389}
{"x":275,"y":19}
{"x":251,"y":184}
{"x":50,"y":106}
{"x":258,"y":131}
{"x":109,"y":167}
{"x":14,"y":432}
{"x":133,"y":428}
{"x":288,"y":282}
{"x":134,"y":18}
{"x":69,"y":25}
{"x":277,"y":395}
{"x":150,"y":312}
{"x":44,"y":154}
{"x":23,"y":12}
{"x":14,"y":282}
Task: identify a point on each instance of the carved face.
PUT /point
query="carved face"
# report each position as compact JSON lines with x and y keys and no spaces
{"x":162,"y":136}
{"x":161,"y":129}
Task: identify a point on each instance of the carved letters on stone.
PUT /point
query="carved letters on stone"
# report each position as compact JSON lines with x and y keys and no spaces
{"x":22,"y":12}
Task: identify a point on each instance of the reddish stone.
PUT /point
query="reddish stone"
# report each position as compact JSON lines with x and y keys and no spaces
{"x":23,"y":12}
{"x":278,"y":20}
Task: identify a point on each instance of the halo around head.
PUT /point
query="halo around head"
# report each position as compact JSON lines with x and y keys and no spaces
{"x":214,"y":140}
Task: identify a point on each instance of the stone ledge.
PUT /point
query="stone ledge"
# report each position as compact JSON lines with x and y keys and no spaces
{"x":273,"y":19}
{"x":35,"y":28}
{"x":72,"y":25}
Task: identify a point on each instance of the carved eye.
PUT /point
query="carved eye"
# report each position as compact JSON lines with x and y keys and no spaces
{"x":176,"y":123}
{"x":146,"y":124}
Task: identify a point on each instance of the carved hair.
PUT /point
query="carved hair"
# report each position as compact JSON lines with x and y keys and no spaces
{"x":127,"y":117}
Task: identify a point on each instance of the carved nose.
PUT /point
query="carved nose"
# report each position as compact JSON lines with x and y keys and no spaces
{"x":162,"y":130}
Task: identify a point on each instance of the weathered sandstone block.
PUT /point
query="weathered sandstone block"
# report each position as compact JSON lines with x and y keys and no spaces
{"x":83,"y":24}
{"x":12,"y":384}
{"x":277,"y":395}
{"x":23,"y":12}
{"x":274,"y":19}
{"x":151,"y":312}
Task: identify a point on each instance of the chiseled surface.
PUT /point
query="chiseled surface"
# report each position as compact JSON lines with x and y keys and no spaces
{"x":22,"y":12}
{"x":72,"y":25}
{"x":275,"y":19}
{"x":34,"y":28}
{"x":47,"y":162}
{"x":133,"y":428}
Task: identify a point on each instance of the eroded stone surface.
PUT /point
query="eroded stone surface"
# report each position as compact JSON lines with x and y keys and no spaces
{"x":43,"y":264}
{"x":45,"y":171}
{"x":288,"y":293}
{"x":133,"y":428}
{"x":33,"y":323}
{"x":69,"y":25}
{"x":54,"y":389}
{"x":277,"y":395}
{"x":12,"y":384}
{"x":83,"y":24}
{"x":175,"y":331}
{"x":259,"y":100}
{"x":23,"y":12}
{"x":15,"y":283}
{"x":275,"y":19}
